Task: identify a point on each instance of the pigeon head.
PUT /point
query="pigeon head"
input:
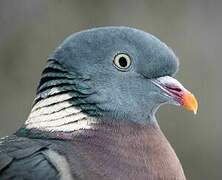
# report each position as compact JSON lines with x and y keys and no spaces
{"x":113,"y":73}
{"x":130,"y":71}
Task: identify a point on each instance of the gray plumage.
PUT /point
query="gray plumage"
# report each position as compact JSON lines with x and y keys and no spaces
{"x":94,"y":119}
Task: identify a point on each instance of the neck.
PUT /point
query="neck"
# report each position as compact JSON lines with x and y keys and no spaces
{"x":57,"y":114}
{"x":60,"y":104}
{"x":58,"y":117}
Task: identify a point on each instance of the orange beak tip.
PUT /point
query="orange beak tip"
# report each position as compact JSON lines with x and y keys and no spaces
{"x":190,"y":102}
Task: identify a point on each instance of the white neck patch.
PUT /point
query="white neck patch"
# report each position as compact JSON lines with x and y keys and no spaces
{"x":56,"y":113}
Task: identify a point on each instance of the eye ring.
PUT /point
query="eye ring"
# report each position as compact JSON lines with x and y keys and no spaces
{"x":122,"y":61}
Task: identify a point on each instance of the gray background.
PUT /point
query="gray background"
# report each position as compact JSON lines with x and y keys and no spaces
{"x":30,"y":30}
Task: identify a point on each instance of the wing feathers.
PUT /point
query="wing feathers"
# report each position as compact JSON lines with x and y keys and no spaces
{"x":23,"y":158}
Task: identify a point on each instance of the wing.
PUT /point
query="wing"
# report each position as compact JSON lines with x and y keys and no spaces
{"x":23,"y":158}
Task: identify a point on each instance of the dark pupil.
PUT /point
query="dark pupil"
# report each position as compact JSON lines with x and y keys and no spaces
{"x":122,"y":62}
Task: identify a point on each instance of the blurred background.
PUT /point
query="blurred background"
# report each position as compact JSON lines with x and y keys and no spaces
{"x":30,"y":30}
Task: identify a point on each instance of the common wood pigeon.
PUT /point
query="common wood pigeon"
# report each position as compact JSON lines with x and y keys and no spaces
{"x":93,"y":117}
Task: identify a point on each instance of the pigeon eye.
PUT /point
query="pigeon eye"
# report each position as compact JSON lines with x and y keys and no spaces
{"x":122,"y":61}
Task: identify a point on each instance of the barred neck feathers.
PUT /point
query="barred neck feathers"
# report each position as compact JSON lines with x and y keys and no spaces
{"x":60,"y":104}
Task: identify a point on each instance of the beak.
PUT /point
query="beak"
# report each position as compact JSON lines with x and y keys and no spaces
{"x":175,"y":90}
